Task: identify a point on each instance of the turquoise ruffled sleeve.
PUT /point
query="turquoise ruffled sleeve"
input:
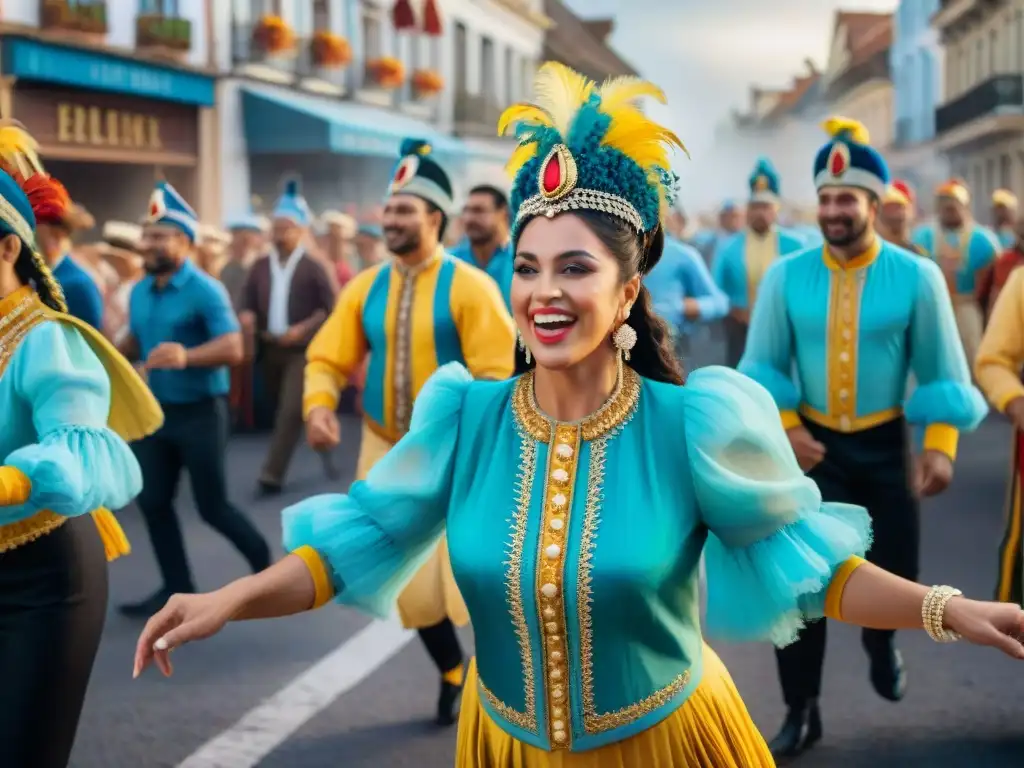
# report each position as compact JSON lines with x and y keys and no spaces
{"x":773,"y":545}
{"x":375,"y":538}
{"x":768,"y":355}
{"x":945,"y":392}
{"x":76,"y":464}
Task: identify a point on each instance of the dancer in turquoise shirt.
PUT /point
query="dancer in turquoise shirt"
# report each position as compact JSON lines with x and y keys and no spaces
{"x":856,"y":316}
{"x":578,"y":497}
{"x":487,"y":245}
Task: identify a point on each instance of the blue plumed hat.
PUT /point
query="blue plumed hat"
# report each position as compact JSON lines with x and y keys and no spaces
{"x":589,"y":147}
{"x":417,"y":173}
{"x":848,"y":159}
{"x":292,"y":205}
{"x":168,"y":207}
{"x":764,"y":182}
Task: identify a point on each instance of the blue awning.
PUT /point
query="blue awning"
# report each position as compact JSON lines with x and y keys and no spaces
{"x":285,"y":123}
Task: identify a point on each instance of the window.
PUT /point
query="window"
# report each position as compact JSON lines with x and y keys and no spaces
{"x":993,"y":52}
{"x":1005,"y":172}
{"x":510,"y":75}
{"x":373,"y":34}
{"x":321,"y":14}
{"x":460,"y":58}
{"x":168,"y":8}
{"x":487,"y":79}
{"x":302,"y":17}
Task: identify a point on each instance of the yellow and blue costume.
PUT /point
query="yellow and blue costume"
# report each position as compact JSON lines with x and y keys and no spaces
{"x":69,"y":403}
{"x":409,"y":321}
{"x":588,"y":637}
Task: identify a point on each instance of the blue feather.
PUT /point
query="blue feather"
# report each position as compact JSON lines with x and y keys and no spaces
{"x":414,"y":147}
{"x":293,"y":187}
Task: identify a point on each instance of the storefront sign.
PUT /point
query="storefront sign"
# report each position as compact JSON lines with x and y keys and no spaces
{"x":93,"y":121}
{"x":52,"y":63}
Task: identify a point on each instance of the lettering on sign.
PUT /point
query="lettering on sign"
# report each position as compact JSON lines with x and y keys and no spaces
{"x":99,"y":127}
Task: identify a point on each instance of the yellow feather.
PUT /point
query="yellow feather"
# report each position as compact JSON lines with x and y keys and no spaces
{"x":19,"y":149}
{"x":523,"y":154}
{"x":522,"y":113}
{"x":626,"y":91}
{"x":560,"y":92}
{"x":640,"y":138}
{"x":854,"y":129}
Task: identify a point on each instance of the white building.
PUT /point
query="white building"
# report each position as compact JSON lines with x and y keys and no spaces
{"x":340,"y":129}
{"x":117,"y":93}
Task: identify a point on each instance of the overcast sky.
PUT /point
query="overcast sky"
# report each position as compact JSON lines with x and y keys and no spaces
{"x":706,"y":53}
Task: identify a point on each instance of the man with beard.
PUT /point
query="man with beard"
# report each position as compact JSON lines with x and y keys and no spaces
{"x":184,"y":331}
{"x":410,"y":316}
{"x":1004,"y":216}
{"x":485,"y":219}
{"x":741,"y":262}
{"x":965,"y":251}
{"x":287,"y":297}
{"x":853,"y":317}
{"x":896,"y":216}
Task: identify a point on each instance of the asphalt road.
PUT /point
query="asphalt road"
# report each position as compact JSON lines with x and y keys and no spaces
{"x":964,"y":707}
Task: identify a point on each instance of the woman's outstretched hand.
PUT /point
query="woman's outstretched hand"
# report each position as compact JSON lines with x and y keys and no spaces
{"x":1000,"y":625}
{"x":185,"y":618}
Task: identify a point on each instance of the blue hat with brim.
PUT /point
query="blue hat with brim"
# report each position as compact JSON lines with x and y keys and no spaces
{"x":417,"y":173}
{"x":292,"y":205}
{"x":764,"y":183}
{"x":17,"y":218}
{"x":848,"y":159}
{"x":250,"y":222}
{"x":169,"y":208}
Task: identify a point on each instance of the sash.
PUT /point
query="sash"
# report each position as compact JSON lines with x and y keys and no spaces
{"x":134,"y":413}
{"x":758,"y":254}
{"x":951,"y":258}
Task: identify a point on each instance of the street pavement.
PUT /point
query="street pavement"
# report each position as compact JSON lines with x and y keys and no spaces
{"x":964,"y":707}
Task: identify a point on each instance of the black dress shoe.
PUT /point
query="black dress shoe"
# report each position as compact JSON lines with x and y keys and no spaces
{"x":888,"y":675}
{"x":146,"y":608}
{"x":800,"y":731}
{"x":265,"y":488}
{"x":448,"y":703}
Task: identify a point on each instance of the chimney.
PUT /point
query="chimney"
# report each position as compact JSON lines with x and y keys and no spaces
{"x":601,"y":29}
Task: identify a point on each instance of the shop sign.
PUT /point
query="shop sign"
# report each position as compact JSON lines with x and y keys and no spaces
{"x":80,"y":124}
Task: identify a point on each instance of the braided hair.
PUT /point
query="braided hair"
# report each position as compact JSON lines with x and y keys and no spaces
{"x":32,"y":269}
{"x":51,"y":204}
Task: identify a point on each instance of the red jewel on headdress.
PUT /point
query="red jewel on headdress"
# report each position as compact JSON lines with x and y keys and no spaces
{"x":839,"y":160}
{"x":405,"y":172}
{"x":154,"y":209}
{"x":558,"y":173}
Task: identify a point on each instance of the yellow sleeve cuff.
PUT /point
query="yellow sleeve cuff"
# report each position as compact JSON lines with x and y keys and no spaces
{"x":834,"y":596}
{"x":318,"y":400}
{"x":790,"y":419}
{"x":321,"y":577}
{"x":943,"y":438}
{"x":15,"y":487}
{"x":1009,"y":397}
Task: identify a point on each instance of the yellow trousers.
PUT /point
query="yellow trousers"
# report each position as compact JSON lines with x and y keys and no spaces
{"x":432,"y":595}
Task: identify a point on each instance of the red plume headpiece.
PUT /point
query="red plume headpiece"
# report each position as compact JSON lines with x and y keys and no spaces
{"x":19,"y":158}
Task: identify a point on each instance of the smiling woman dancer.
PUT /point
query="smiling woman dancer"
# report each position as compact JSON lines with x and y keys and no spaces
{"x":68,"y":402}
{"x":579,"y":496}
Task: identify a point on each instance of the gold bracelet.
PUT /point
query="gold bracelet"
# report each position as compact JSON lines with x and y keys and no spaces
{"x":933,"y":612}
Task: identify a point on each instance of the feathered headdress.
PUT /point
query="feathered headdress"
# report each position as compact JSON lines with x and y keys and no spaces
{"x":45,"y":198}
{"x":418,"y":173}
{"x":584,"y":146}
{"x":848,"y":160}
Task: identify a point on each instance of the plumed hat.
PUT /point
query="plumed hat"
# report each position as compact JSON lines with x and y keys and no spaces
{"x":168,"y":207}
{"x":849,"y":160}
{"x":764,"y":182}
{"x":417,"y":173}
{"x":292,"y":205}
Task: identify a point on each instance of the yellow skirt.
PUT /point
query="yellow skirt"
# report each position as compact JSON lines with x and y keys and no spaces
{"x":711,"y":730}
{"x":432,"y":595}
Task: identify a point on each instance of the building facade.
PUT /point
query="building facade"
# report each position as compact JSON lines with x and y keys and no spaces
{"x":857,"y":82}
{"x":118,"y":93}
{"x":328,"y":89}
{"x":980,"y":124}
{"x":915,"y":61}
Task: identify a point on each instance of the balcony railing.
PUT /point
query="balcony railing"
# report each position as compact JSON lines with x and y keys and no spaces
{"x":163,"y":33}
{"x":83,"y":16}
{"x":476,"y":115}
{"x":1001,"y":94}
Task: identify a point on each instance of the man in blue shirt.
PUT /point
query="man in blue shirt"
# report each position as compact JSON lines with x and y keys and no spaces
{"x":487,"y":245}
{"x":185,"y":333}
{"x":683,"y":293}
{"x":53,"y":235}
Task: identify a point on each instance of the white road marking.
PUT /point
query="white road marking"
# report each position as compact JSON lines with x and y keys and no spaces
{"x":270,"y":723}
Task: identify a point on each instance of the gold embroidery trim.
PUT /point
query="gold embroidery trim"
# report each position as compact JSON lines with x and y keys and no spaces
{"x":563,"y":463}
{"x":514,"y":593}
{"x":595,"y":722}
{"x":610,"y":416}
{"x":841,"y":354}
{"x":14,"y":326}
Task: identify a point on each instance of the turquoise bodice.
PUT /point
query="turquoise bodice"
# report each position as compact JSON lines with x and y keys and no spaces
{"x":577,"y":546}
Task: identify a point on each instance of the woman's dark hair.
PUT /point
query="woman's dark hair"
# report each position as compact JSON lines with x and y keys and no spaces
{"x":32,"y":270}
{"x":653,"y":357}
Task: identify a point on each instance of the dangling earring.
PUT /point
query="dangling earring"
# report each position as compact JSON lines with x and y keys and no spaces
{"x":522,"y":345}
{"x":624,"y":339}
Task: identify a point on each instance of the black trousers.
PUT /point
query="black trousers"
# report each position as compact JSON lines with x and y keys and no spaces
{"x":194,"y":438}
{"x":735,"y":340}
{"x":53,"y":602}
{"x":442,"y":643}
{"x":871,"y":468}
